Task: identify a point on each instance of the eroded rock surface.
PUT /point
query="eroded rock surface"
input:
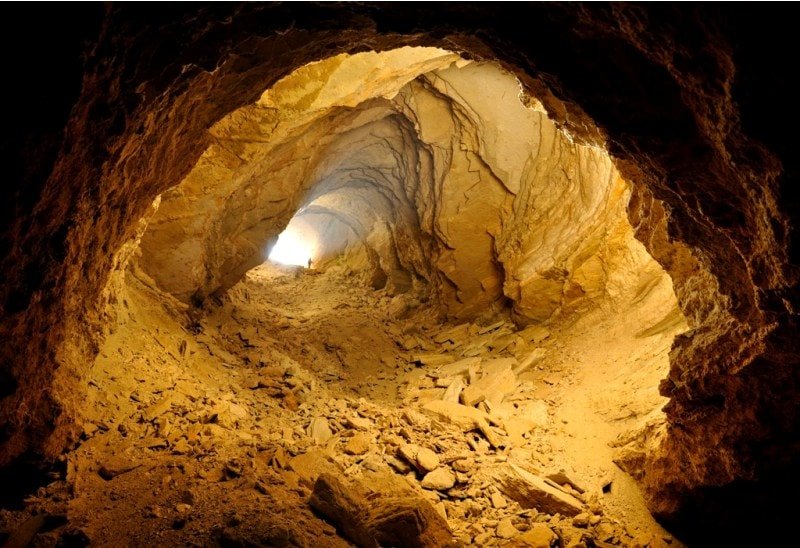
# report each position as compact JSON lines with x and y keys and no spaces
{"x":415,"y":175}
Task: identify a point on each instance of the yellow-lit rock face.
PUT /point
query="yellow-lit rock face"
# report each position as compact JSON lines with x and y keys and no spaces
{"x":416,"y":167}
{"x":348,"y":80}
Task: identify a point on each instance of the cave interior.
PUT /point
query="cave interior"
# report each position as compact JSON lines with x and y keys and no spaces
{"x":398,"y":275}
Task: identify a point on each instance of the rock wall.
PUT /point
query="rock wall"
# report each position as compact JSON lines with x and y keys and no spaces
{"x":112,"y":112}
{"x":448,"y":179}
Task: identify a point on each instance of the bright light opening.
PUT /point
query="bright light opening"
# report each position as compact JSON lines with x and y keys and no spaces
{"x":291,"y":249}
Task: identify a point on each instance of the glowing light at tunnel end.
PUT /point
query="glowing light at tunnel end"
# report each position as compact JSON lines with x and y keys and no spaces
{"x":291,"y":249}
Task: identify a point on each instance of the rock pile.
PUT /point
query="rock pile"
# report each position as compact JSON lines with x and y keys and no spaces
{"x":247,"y":415}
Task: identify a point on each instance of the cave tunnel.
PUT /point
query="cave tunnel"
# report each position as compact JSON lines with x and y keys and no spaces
{"x":399,"y":275}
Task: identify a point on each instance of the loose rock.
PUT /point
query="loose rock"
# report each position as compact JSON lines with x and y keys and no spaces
{"x":498,"y":501}
{"x":379,"y":512}
{"x":538,"y":536}
{"x":319,"y":430}
{"x":506,"y":529}
{"x":358,"y":444}
{"x":440,"y":479}
{"x":427,"y":460}
{"x":531,"y":491}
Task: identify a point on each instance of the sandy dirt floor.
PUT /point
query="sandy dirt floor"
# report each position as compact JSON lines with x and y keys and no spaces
{"x":212,"y":428}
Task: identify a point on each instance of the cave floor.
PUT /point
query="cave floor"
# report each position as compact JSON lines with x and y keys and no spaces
{"x":213,"y":430}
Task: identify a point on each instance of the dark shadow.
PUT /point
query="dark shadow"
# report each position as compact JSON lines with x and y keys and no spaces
{"x":24,"y":477}
{"x":743,"y":513}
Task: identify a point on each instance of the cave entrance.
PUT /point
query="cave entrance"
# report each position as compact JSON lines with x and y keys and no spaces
{"x":479,"y":306}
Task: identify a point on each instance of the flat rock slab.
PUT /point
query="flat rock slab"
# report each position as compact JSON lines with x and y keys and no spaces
{"x":460,"y":367}
{"x":380,"y":510}
{"x":496,"y":366}
{"x":534,"y":334}
{"x":453,"y":391}
{"x":493,"y":387}
{"x":432,"y":359}
{"x":319,"y":430}
{"x":531,"y":491}
{"x":466,"y":418}
{"x":158,"y":408}
{"x":456,"y":335}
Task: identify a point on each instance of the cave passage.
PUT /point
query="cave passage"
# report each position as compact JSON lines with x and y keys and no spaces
{"x":396,"y":274}
{"x":478,"y":337}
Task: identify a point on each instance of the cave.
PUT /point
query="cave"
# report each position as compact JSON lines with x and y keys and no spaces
{"x":399,"y":275}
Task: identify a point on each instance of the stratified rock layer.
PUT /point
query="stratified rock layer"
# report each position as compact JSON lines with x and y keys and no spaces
{"x":684,"y":99}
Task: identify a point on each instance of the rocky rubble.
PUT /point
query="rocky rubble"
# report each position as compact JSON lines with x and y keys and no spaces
{"x":683,"y":98}
{"x":245,"y":416}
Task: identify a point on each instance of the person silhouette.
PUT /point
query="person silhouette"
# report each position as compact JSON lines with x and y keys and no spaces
{"x":309,"y":262}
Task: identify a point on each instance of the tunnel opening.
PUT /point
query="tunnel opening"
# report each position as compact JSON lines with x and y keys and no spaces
{"x":293,"y":247}
{"x":480,"y":321}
